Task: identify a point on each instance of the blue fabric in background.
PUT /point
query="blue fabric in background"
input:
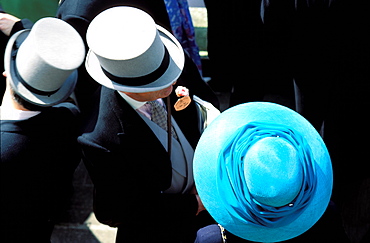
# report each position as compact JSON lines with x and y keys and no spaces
{"x":182,"y":28}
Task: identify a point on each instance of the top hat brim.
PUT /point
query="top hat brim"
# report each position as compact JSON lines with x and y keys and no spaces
{"x":216,"y":136}
{"x":41,"y":100}
{"x":175,"y":67}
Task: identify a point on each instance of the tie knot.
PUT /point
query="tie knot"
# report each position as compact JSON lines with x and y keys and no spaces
{"x":159,"y":116}
{"x":156,"y":107}
{"x":155,"y":104}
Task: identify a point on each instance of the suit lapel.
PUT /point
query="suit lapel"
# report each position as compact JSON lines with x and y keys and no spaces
{"x":135,"y":128}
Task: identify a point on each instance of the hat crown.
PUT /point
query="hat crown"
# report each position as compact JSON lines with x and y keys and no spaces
{"x":272,"y":171}
{"x":128,"y":44}
{"x":129,"y":52}
{"x":54,"y":49}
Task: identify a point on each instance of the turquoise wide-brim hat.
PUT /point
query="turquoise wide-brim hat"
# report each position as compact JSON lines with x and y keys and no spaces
{"x":263,"y":172}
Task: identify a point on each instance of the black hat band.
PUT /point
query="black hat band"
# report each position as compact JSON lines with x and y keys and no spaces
{"x":142,"y":80}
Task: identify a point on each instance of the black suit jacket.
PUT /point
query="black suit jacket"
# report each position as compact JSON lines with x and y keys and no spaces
{"x":38,"y":159}
{"x":130,"y":168}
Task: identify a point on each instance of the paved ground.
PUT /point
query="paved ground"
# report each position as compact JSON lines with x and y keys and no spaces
{"x":79,"y":223}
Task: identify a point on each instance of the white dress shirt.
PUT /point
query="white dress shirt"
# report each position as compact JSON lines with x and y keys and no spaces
{"x":8,"y":112}
{"x":140,"y":106}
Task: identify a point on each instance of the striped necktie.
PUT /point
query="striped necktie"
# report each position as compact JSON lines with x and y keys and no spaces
{"x":159,"y":116}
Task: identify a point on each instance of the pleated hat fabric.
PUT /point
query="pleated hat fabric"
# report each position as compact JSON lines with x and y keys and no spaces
{"x":263,"y":172}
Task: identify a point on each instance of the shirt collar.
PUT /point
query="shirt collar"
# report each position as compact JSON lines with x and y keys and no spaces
{"x":133,"y":103}
{"x":10,"y":113}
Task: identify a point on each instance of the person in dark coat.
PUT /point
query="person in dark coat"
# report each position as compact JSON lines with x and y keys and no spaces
{"x":39,"y":149}
{"x":235,"y":49}
{"x":79,"y":14}
{"x":141,"y":185}
{"x":346,"y":116}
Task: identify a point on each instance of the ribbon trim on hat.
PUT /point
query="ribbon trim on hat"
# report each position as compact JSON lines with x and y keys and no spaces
{"x":142,"y":80}
{"x":232,"y":186}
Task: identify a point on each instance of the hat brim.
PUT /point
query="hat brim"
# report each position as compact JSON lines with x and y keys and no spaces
{"x":172,"y":73}
{"x":41,"y":100}
{"x":205,"y":169}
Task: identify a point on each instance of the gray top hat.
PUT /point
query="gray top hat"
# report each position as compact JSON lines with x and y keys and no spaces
{"x":133,"y":54}
{"x":41,"y":63}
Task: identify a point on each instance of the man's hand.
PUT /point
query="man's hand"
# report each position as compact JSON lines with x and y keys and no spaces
{"x":7,"y":22}
{"x":200,"y":204}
